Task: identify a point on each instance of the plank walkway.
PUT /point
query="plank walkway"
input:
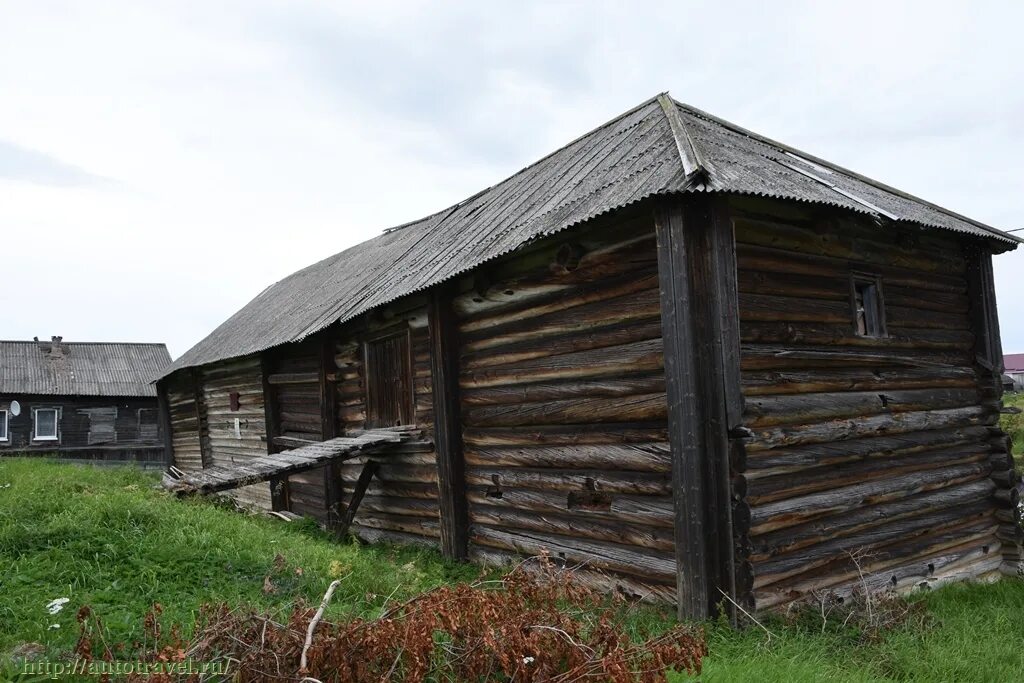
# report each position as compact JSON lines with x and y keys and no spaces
{"x":253,"y":470}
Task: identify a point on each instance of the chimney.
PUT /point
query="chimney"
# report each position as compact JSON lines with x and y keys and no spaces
{"x":56,"y":349}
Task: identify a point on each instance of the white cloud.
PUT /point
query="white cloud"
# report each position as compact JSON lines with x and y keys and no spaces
{"x":240,"y":141}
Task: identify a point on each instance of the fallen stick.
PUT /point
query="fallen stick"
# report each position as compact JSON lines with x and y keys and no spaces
{"x":313,"y":623}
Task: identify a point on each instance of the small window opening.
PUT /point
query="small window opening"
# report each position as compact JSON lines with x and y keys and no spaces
{"x":495,"y":490}
{"x":46,"y":424}
{"x":234,"y":402}
{"x":3,"y":426}
{"x":868,"y":307}
{"x":389,"y":389}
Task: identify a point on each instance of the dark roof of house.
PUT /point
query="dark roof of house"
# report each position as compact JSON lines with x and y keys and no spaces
{"x":1013,"y":362}
{"x":59,"y":368}
{"x":659,"y":147}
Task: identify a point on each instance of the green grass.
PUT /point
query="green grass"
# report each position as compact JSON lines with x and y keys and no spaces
{"x":106,"y":538}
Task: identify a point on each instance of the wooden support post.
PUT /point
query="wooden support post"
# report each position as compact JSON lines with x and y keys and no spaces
{"x":444,"y":371}
{"x":369,"y":469}
{"x":164,"y":421}
{"x":200,"y":409}
{"x":329,"y":430}
{"x":697,"y":271}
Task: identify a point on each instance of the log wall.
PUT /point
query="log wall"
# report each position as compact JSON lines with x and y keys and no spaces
{"x":867,"y":455}
{"x":224,"y":443}
{"x":184,"y":412}
{"x":564,"y":408}
{"x":401,"y":504}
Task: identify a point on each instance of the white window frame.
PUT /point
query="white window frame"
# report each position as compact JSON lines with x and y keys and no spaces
{"x":35,"y":424}
{"x":7,"y":427}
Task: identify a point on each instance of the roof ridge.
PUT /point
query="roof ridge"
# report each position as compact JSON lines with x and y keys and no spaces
{"x":690,"y":155}
{"x":836,"y":167}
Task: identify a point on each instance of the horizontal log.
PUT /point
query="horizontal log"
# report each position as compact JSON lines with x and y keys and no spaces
{"x":588,"y":337}
{"x":770,"y":489}
{"x":629,"y":385}
{"x":882,"y":560}
{"x":789,"y":512}
{"x":783,"y":332}
{"x":406,"y":507}
{"x":312,"y":377}
{"x":764,"y":411}
{"x":648,"y":510}
{"x":876,"y":425}
{"x":411,"y":525}
{"x":380,"y":536}
{"x":640,"y":457}
{"x":795,"y":538}
{"x":579,"y":525}
{"x":651,"y":565}
{"x":646,"y":407}
{"x":803,"y":356}
{"x":639,"y":483}
{"x":616,"y":584}
{"x":776,"y":461}
{"x":802,"y":381}
{"x":565,"y":435}
{"x":613,"y":361}
{"x":813,"y":557}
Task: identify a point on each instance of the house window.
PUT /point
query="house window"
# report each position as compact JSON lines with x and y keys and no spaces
{"x":45,"y":424}
{"x":147,"y":424}
{"x":389,"y":400}
{"x":868,"y":306}
{"x":4,"y":436}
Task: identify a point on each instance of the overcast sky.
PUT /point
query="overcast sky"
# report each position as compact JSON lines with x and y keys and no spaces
{"x":161,"y":163}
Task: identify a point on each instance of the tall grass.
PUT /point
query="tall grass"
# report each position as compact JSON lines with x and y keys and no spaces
{"x":1014,"y":424}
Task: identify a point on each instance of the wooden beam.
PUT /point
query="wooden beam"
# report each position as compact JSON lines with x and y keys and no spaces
{"x":369,"y":469}
{"x":329,"y":430}
{"x":444,"y":369}
{"x":199,"y":404}
{"x":164,"y":421}
{"x":280,"y":495}
{"x":697,"y":277}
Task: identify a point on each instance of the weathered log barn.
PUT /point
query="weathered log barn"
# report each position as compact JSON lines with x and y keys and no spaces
{"x":91,"y":401}
{"x":695,"y":360}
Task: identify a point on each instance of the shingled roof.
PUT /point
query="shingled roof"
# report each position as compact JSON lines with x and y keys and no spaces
{"x":59,"y":368}
{"x":657,"y":148}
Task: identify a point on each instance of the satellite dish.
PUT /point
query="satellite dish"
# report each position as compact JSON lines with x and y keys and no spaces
{"x":15,"y":408}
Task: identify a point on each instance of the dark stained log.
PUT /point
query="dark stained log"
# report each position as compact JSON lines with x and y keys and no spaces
{"x":629,"y":385}
{"x":802,"y":381}
{"x":164,"y":422}
{"x":300,"y":378}
{"x":381,"y":536}
{"x":200,"y":410}
{"x":697,"y":271}
{"x":832,"y":548}
{"x":627,"y":587}
{"x":895,"y":423}
{"x":408,"y":507}
{"x":782,"y":332}
{"x":612,"y":361}
{"x":789,"y":512}
{"x":647,"y":564}
{"x":769,"y":489}
{"x":769,"y":259}
{"x":574,"y":525}
{"x":1008,"y":478}
{"x":369,"y":469}
{"x":593,"y":336}
{"x":634,"y":299}
{"x":794,"y":538}
{"x":927,"y":562}
{"x":647,"y":510}
{"x":763,"y":411}
{"x":640,"y":457}
{"x":444,"y":370}
{"x":565,"y":435}
{"x":802,"y":356}
{"x":645,"y":407}
{"x":777,"y":461}
{"x":615,"y":481}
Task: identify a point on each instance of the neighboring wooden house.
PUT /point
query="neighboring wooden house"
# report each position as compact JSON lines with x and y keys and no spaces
{"x":94,"y":401}
{"x":1014,"y":368}
{"x":693,"y":359}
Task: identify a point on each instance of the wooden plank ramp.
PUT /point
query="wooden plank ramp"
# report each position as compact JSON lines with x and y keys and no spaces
{"x":253,"y":470}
